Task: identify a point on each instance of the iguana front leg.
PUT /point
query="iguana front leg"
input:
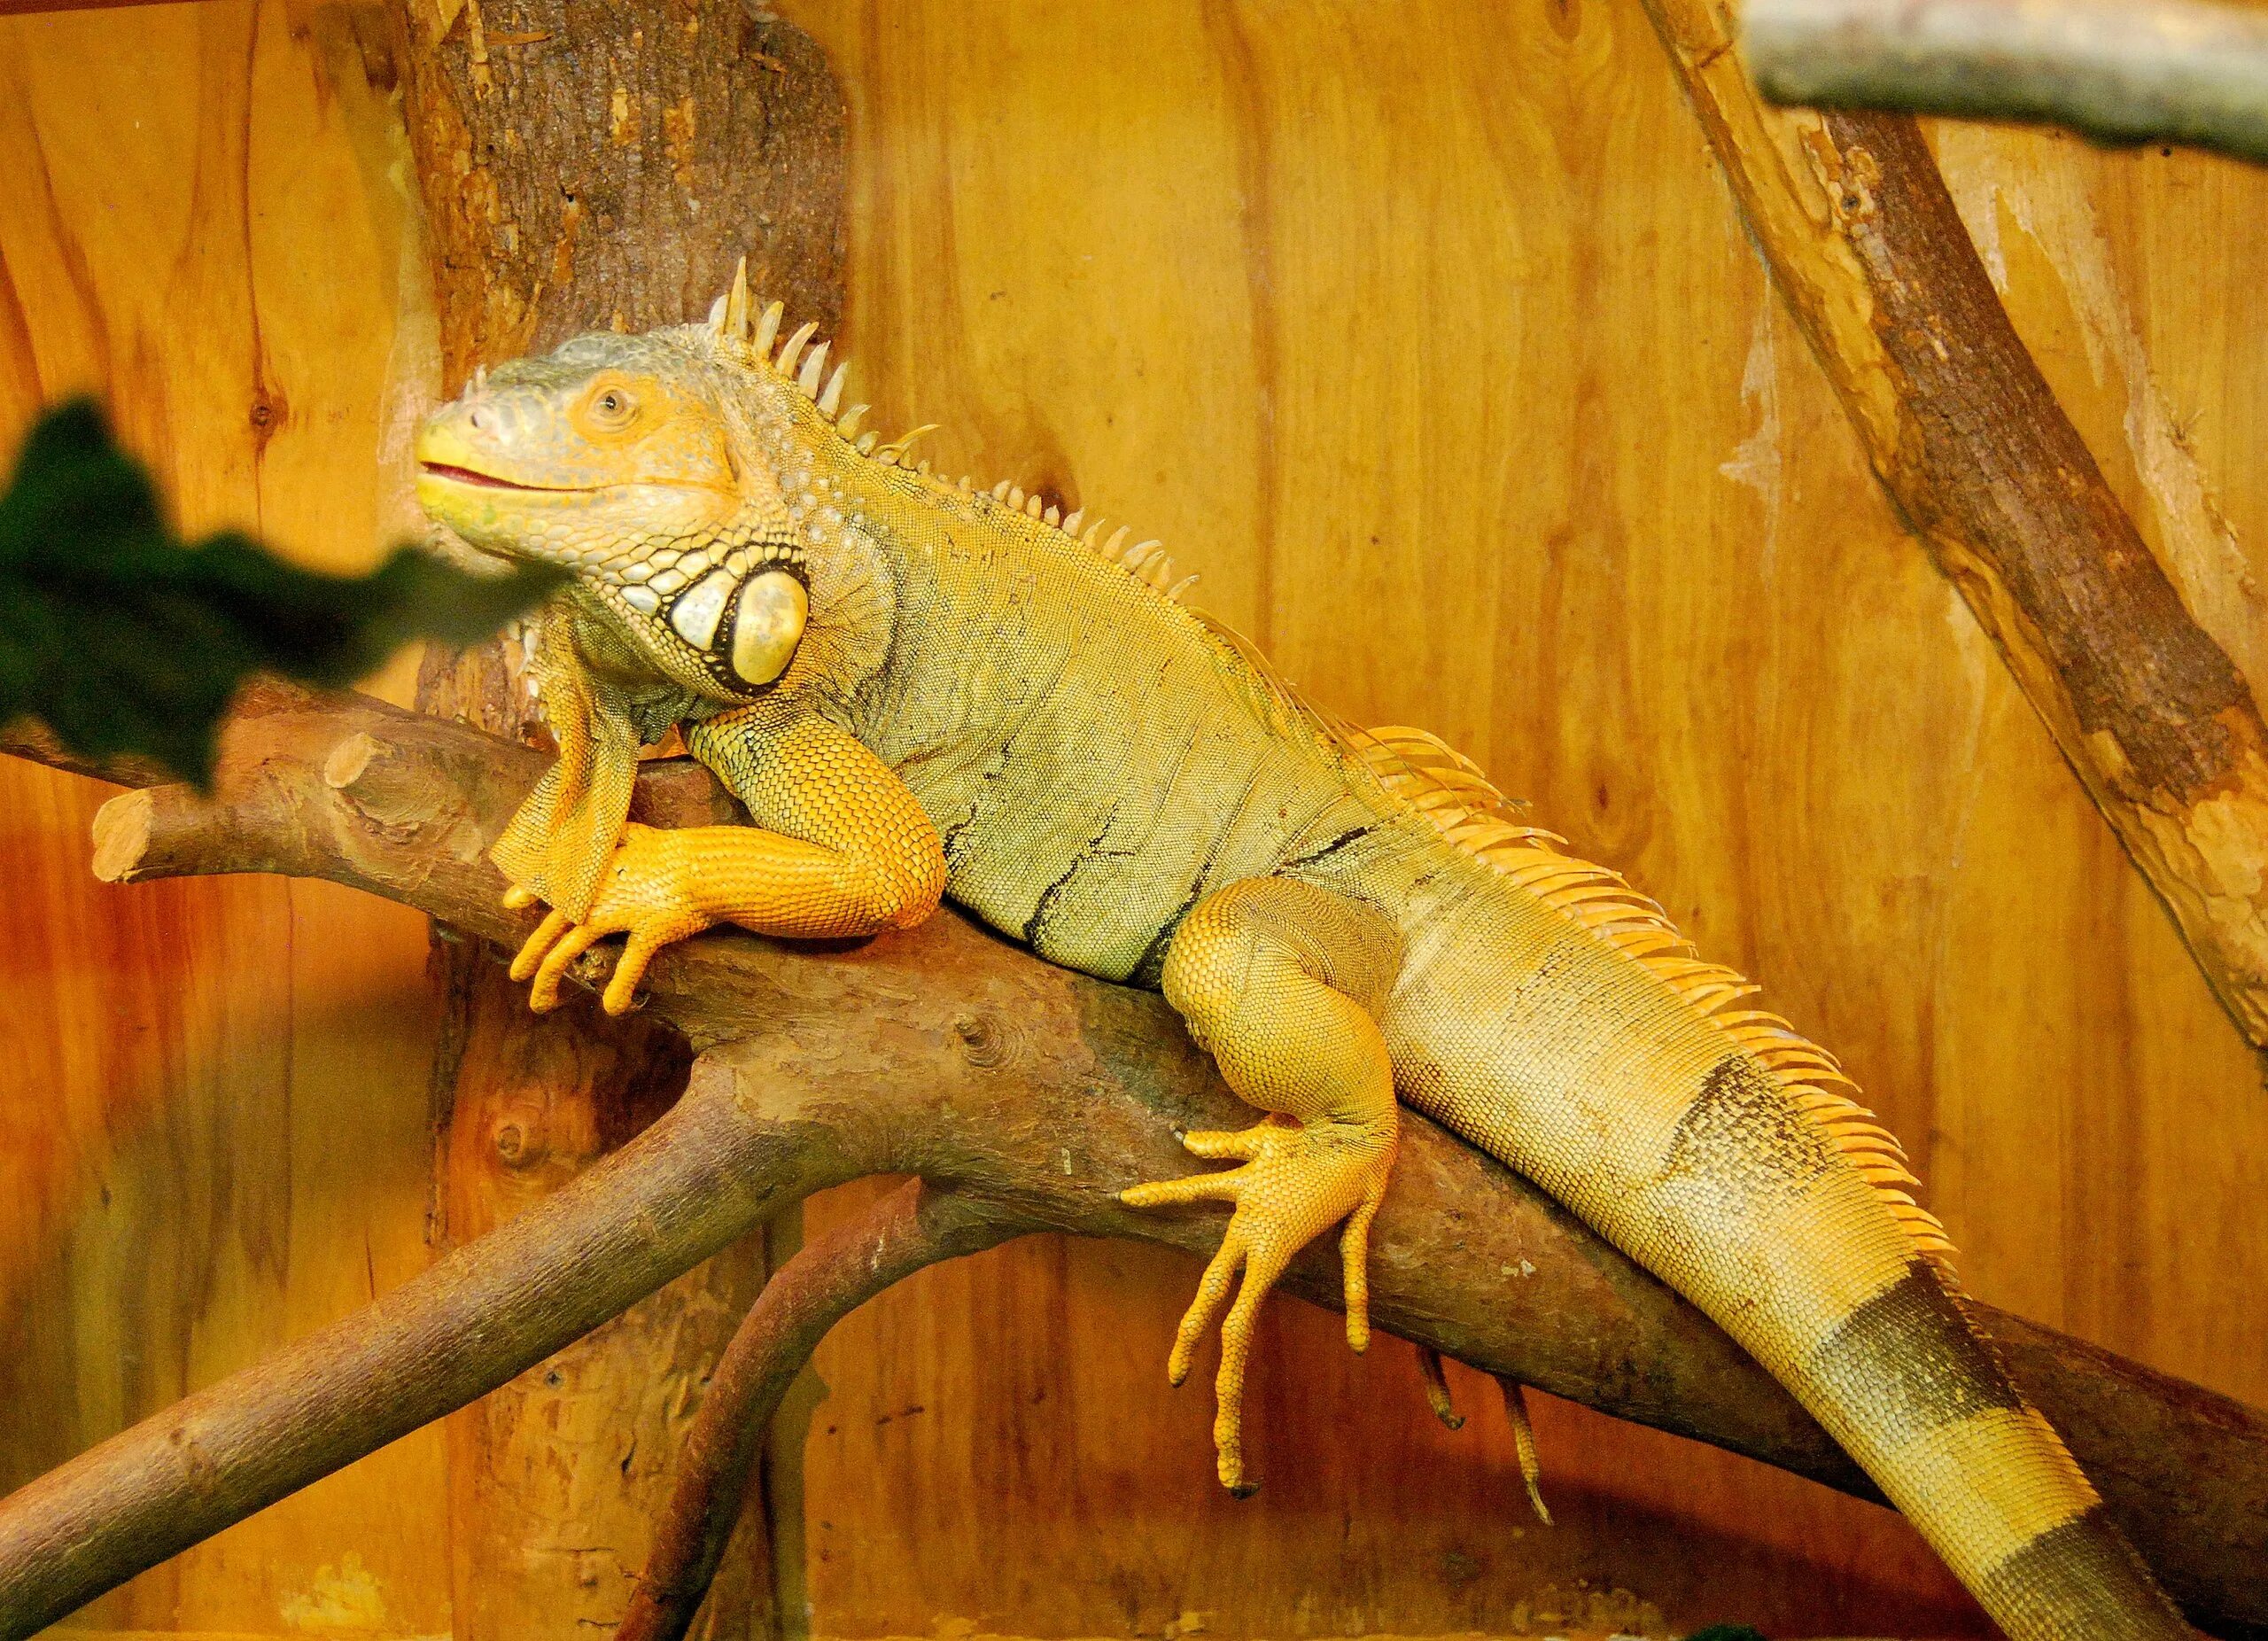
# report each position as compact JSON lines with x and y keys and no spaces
{"x":1280,"y":981}
{"x":839,"y":848}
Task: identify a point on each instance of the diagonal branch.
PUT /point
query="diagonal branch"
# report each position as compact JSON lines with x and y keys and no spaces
{"x":915,"y":1226}
{"x":2157,"y":721}
{"x":692,"y":1183}
{"x":946,"y":1053}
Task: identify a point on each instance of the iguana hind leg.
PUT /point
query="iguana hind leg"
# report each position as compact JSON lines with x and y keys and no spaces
{"x":1280,"y":981}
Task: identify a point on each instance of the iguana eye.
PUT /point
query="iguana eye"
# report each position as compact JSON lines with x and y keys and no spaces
{"x":610,"y":409}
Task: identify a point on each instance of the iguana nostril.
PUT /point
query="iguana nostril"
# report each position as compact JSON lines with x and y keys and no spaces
{"x":475,"y":418}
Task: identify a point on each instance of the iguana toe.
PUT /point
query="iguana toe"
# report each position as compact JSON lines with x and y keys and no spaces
{"x":1296,"y":1182}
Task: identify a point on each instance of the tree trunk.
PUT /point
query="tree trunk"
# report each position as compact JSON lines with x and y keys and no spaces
{"x":585,"y":167}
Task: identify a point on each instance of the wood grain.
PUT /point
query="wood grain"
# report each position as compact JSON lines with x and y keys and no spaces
{"x":1270,"y":283}
{"x":213,"y":1095}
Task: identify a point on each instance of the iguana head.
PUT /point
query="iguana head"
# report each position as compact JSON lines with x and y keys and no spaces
{"x":678,"y":473}
{"x":582,"y":457}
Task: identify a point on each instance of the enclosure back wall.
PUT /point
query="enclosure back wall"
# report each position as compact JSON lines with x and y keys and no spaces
{"x":1431,"y":337}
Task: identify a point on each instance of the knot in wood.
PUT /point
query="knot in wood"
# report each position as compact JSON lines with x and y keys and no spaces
{"x":389,"y":794}
{"x":514,"y":1146}
{"x":981,"y":1039}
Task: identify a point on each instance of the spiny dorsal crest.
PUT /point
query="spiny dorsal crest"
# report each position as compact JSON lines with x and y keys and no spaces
{"x":744,"y":329}
{"x":1448,"y":789}
{"x":1428,"y":777}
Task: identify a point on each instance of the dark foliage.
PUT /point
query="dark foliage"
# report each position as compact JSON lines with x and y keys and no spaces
{"x":124,"y":639}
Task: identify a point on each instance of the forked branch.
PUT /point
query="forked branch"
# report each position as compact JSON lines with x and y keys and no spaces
{"x":916,"y":1225}
{"x":945,"y":1054}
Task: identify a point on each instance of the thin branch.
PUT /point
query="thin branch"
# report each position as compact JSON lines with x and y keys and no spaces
{"x":2121,"y":71}
{"x":2157,"y":721}
{"x":915,"y":1226}
{"x":947,"y":1053}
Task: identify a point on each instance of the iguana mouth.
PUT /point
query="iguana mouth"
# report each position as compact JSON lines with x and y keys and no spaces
{"x":469,"y":475}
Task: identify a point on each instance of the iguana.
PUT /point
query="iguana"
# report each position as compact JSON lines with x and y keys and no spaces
{"x":920,"y":689}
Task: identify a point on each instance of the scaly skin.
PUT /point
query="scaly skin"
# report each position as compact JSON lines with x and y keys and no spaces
{"x":918,"y":689}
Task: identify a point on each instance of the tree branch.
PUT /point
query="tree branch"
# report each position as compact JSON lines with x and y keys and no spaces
{"x":946,"y":1053}
{"x":2121,"y":71}
{"x":915,"y":1226}
{"x":2154,"y":717}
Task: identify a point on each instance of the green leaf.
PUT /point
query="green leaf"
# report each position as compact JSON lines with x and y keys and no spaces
{"x":124,"y":639}
{"x":1725,"y":1632}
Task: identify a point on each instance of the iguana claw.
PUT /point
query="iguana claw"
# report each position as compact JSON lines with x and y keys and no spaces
{"x":645,"y":893}
{"x":1296,"y":1181}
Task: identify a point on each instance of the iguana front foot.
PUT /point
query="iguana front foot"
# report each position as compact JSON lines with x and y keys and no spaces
{"x":662,"y":884}
{"x":1296,"y":1182}
{"x":646,"y":891}
{"x":1279,"y":979}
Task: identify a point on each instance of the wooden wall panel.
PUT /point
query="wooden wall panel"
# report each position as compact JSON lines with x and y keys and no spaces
{"x":214,"y":1133}
{"x":1429,"y":335}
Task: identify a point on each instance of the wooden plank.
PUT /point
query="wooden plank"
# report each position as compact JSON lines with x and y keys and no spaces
{"x":1434,"y":343}
{"x":214,"y":1097}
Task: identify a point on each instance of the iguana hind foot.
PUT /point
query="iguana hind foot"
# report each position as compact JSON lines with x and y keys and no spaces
{"x":1278,"y":979}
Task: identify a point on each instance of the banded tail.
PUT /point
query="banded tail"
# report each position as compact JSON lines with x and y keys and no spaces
{"x":1554,"y":1017}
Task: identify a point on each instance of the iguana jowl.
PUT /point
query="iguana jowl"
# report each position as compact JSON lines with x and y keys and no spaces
{"x":919,"y":690}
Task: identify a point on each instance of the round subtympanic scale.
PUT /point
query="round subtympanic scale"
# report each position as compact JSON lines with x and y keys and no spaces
{"x":695,"y":615}
{"x":767,"y":625}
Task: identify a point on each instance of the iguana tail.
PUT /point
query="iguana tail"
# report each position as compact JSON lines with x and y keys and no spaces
{"x":1553,"y":1016}
{"x":1709,"y":1145}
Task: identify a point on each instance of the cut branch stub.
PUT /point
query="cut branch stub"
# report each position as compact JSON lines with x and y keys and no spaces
{"x":945,"y":1053}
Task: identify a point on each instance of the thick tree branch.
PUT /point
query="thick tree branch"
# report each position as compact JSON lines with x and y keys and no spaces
{"x":2155,"y":718}
{"x":916,"y":1225}
{"x":2121,"y":71}
{"x":946,"y":1053}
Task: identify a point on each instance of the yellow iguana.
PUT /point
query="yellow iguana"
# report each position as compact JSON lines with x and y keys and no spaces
{"x":919,"y":688}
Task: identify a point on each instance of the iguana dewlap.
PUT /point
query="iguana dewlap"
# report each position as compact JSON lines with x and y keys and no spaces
{"x":918,"y":689}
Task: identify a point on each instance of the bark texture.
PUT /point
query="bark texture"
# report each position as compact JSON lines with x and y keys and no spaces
{"x":2121,"y":71}
{"x":946,"y":1053}
{"x":587,"y":166}
{"x":2154,"y":717}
